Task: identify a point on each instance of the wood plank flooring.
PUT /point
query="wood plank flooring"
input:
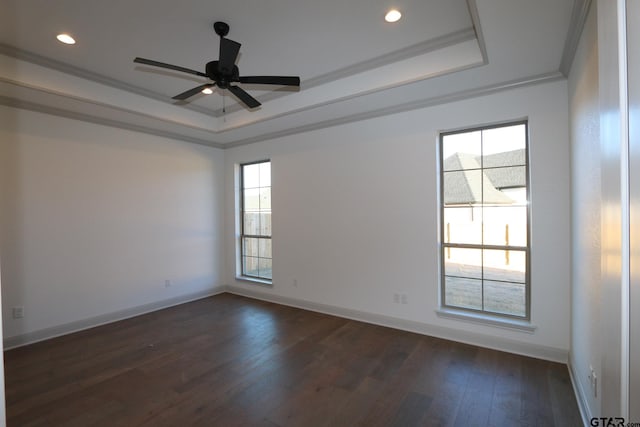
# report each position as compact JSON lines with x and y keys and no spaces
{"x":233,"y":361}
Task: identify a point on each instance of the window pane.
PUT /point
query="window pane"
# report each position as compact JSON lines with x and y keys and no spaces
{"x":462,"y":188}
{"x":265,"y":268}
{"x":508,"y":266}
{"x":504,"y":146}
{"x":463,"y":262}
{"x":264,"y":248}
{"x":265,"y":174}
{"x":507,"y":177}
{"x":265,"y":198}
{"x":265,"y":224}
{"x":251,"y":176}
{"x":505,"y":225}
{"x":252,"y":200}
{"x":463,"y":292}
{"x":461,"y":151}
{"x":463,"y":225}
{"x":250,"y":266}
{"x":251,"y":223}
{"x":250,"y":246}
{"x":505,"y":298}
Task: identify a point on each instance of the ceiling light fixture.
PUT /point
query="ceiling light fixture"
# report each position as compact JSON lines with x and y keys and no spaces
{"x":207,"y":91}
{"x":65,"y":38}
{"x":393,"y":16}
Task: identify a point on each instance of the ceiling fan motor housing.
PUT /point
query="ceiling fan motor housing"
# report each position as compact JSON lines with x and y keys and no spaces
{"x":222,"y":79}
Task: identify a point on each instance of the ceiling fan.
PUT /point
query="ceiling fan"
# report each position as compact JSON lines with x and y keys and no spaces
{"x":224,"y":72}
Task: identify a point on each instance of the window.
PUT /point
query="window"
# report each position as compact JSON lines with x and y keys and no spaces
{"x":255,"y":218}
{"x":485,"y":220}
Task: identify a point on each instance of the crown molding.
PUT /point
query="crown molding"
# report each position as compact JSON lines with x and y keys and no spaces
{"x":395,"y":109}
{"x":47,"y":109}
{"x":475,"y":19}
{"x":408,"y":52}
{"x":417,"y":49}
{"x":63,"y":67}
{"x":346,"y":98}
{"x":408,"y":106}
{"x":42,"y":93}
{"x":578,"y":18}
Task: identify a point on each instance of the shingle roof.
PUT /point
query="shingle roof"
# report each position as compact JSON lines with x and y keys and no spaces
{"x":465,"y":182}
{"x":511,"y":177}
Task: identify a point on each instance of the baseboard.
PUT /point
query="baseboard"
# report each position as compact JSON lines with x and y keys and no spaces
{"x":578,"y":390}
{"x":67,"y":328}
{"x":480,"y":340}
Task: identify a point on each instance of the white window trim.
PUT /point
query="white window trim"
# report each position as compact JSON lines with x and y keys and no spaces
{"x":486,"y":319}
{"x":460,"y":313}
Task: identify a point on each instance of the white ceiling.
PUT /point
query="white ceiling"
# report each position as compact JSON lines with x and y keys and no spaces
{"x":352,"y":64}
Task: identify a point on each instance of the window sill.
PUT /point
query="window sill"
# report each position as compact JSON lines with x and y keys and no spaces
{"x":255,"y":281}
{"x":485,"y":319}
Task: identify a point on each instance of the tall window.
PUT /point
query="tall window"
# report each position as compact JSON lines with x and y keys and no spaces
{"x":255,"y":239}
{"x":485,"y":220}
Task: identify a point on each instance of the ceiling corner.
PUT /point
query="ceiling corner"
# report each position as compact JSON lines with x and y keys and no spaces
{"x":578,"y":18}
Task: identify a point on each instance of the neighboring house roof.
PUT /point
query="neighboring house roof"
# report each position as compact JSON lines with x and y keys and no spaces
{"x":507,"y":158}
{"x":465,"y":182}
{"x":512,"y":177}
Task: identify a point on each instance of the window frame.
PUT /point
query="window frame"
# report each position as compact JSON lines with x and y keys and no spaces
{"x":243,"y":275}
{"x":481,"y":246}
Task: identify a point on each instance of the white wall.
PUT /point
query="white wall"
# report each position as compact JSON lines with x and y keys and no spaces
{"x":614,"y":203}
{"x":586,"y":203}
{"x":633,"y":70}
{"x":355,"y":212}
{"x":95,"y":219}
{"x":601,"y":186}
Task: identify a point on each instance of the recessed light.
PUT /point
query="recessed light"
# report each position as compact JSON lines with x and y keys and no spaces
{"x":65,"y":38}
{"x":207,"y":91}
{"x":393,"y":16}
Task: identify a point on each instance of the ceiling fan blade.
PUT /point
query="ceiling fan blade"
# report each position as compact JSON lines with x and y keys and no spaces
{"x":169,"y":66}
{"x":191,"y":92}
{"x":272,"y":80}
{"x":243,"y":96}
{"x":228,"y":55}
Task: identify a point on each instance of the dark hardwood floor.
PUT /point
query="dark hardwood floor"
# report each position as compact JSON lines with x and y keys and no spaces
{"x":233,"y":361}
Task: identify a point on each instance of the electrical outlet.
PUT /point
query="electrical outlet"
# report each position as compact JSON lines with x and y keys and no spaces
{"x":404,"y":299}
{"x":167,"y":283}
{"x":18,"y":312}
{"x":396,"y":298}
{"x":295,"y":283}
